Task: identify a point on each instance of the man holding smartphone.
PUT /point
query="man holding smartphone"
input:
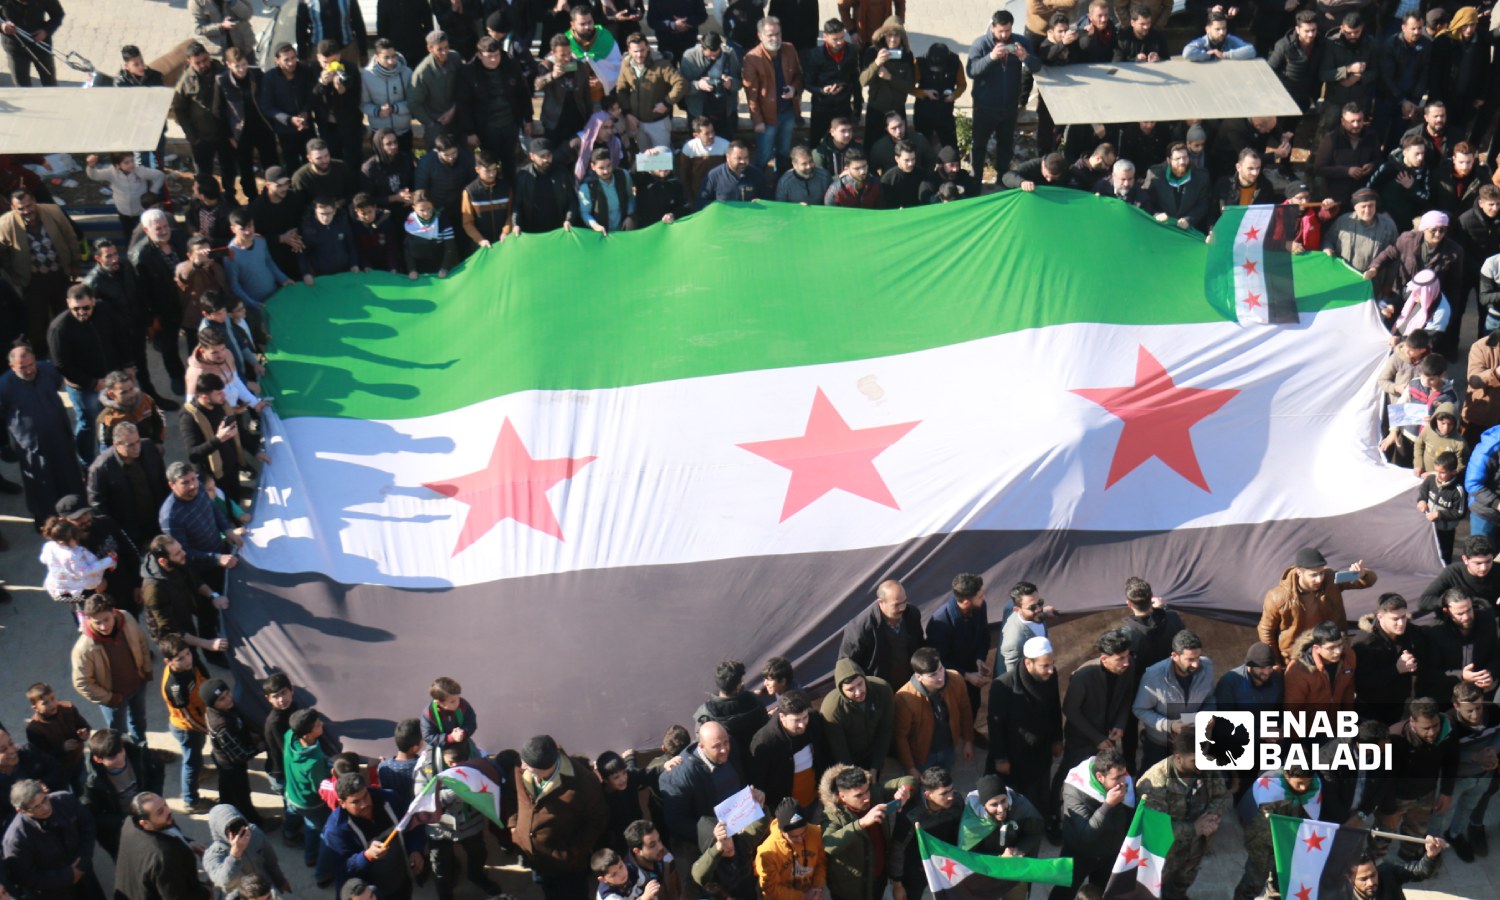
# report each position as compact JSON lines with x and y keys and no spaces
{"x":996,"y":61}
{"x":1308,"y":593}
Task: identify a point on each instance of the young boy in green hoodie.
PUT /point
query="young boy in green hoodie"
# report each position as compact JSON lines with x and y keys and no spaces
{"x":305,"y":765}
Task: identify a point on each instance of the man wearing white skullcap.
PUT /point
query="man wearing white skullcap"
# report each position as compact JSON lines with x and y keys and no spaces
{"x":1026,"y":728}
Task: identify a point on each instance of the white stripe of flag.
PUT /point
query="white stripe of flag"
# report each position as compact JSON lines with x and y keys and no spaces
{"x":1314,"y":840}
{"x":1148,"y":866}
{"x":1250,"y":302}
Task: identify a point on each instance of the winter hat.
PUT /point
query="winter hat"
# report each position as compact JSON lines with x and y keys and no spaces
{"x":948,"y":155}
{"x":1296,"y":187}
{"x":212,"y":689}
{"x":1365,"y":195}
{"x":1434,"y":218}
{"x":1260,"y":656}
{"x":275,"y":174}
{"x":787,"y":816}
{"x":1196,"y":133}
{"x":989,"y":786}
{"x":1309,"y":558}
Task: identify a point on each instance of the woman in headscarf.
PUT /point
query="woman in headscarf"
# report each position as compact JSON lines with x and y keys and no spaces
{"x":389,"y":174}
{"x":1460,"y":68}
{"x":598,"y":132}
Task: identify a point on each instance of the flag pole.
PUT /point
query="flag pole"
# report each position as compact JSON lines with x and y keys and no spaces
{"x":1398,"y":837}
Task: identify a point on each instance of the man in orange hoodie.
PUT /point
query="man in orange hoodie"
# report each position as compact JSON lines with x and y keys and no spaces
{"x":1321,"y":677}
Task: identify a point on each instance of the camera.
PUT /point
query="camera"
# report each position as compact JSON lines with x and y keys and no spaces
{"x":1009,"y":835}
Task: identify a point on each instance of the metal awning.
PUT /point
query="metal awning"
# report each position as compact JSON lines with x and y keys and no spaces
{"x":79,"y":120}
{"x":1163,"y":92}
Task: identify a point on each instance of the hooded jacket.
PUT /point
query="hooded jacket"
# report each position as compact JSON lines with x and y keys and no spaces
{"x":1288,"y":611}
{"x":855,"y":871}
{"x":224,"y":868}
{"x":1430,"y":443}
{"x":1308,"y":688}
{"x":885,"y":94}
{"x":788,"y":871}
{"x":379,"y":86}
{"x":741,"y":715}
{"x":304,"y":768}
{"x":859,"y":734}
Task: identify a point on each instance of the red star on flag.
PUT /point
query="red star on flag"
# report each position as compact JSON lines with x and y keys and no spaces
{"x":829,"y":456}
{"x":1314,"y":841}
{"x":1158,"y":417}
{"x":1253,"y":234}
{"x":1263,"y":782}
{"x":948,"y":868}
{"x":1305,"y":893}
{"x":512,"y":486}
{"x":1252,"y":301}
{"x":1250,"y":266}
{"x":1132,"y":855}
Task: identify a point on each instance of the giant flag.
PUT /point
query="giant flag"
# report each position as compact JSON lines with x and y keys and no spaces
{"x":582,"y":470}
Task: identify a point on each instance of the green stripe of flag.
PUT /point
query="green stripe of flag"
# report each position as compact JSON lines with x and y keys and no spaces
{"x":739,"y":288}
{"x":1020,"y":869}
{"x":1155,"y":829}
{"x":1283,"y":843}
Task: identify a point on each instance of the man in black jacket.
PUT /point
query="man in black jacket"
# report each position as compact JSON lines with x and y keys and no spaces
{"x":116,"y":287}
{"x":87,"y":342}
{"x":116,"y":769}
{"x":830,"y":72}
{"x":1463,"y":648}
{"x":1097,"y":705}
{"x":1098,"y":803}
{"x":1372,"y":880}
{"x":545,"y":197}
{"x":286,"y":97}
{"x":1179,"y":191}
{"x":29,"y":24}
{"x":883,"y":638}
{"x":1026,"y":729}
{"x":155,"y":255}
{"x":788,"y":754}
{"x":128,"y":482}
{"x":1392,"y":655}
{"x":1473,"y":573}
{"x":49,"y":846}
{"x":738,"y":710}
{"x":156,"y":860}
{"x":1347,"y":155}
{"x":492,"y":104}
{"x":1424,"y":763}
{"x":1244,"y":186}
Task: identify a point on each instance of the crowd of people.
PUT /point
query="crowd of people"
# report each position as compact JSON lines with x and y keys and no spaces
{"x":535,"y":117}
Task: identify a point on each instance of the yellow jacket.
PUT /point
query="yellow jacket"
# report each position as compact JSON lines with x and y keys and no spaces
{"x":787,"y":871}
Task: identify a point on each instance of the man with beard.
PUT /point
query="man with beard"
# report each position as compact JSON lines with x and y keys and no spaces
{"x":210,"y":431}
{"x":1098,"y":803}
{"x":545,"y":197}
{"x":1348,"y":155}
{"x":1097,"y":706}
{"x":1463,"y":648}
{"x":708,"y":774}
{"x":885,"y":636}
{"x":87,"y":343}
{"x":40,"y":431}
{"x":103,"y":537}
{"x":156,"y":254}
{"x":176,"y":599}
{"x":1424,"y":764}
{"x":1180,"y":191}
{"x":128,"y":482}
{"x":39,"y":246}
{"x":196,"y":522}
{"x":277,"y":211}
{"x":115,"y":286}
{"x":324,"y":176}
{"x":157,"y":861}
{"x":1370,"y":879}
{"x":1169,"y":691}
{"x":950,"y":170}
{"x":960,"y":633}
{"x":1026,"y":729}
{"x":1306,"y":595}
{"x":1391,"y":658}
{"x":1196,"y":802}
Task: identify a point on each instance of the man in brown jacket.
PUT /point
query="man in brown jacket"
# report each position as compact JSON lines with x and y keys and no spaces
{"x":648,"y":89}
{"x":560,"y":817}
{"x":40,"y":249}
{"x":772,"y":75}
{"x":1320,"y":674}
{"x":1307,"y":594}
{"x":112,"y":666}
{"x":933,"y":697}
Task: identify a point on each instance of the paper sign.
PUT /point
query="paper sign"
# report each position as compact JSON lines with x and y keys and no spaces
{"x":739,"y":812}
{"x":802,"y":759}
{"x":653,"y":162}
{"x":1407,"y":414}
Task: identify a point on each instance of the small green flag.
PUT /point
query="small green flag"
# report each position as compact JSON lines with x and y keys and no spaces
{"x":957,"y":874}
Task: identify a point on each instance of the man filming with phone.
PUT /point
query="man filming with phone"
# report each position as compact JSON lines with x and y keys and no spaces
{"x":996,"y":61}
{"x":1308,"y":593}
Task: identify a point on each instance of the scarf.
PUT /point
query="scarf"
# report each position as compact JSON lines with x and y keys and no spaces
{"x":1421,"y":299}
{"x":1082,"y":777}
{"x":428,"y":229}
{"x":114,"y":633}
{"x":603,"y":56}
{"x":1272,"y":788}
{"x":1464,"y":16}
{"x":587,"y":138}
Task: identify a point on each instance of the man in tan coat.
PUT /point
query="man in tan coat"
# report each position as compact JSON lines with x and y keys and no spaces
{"x":112,"y":666}
{"x":1482,"y":405}
{"x":1308,"y":593}
{"x":560,"y":816}
{"x":648,"y":89}
{"x":934,"y":724}
{"x":39,"y":247}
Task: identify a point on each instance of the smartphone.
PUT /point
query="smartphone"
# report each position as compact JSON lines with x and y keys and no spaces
{"x":894,"y":54}
{"x":1345,"y":577}
{"x":892,"y":808}
{"x":571,"y":66}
